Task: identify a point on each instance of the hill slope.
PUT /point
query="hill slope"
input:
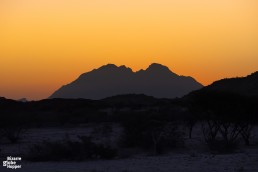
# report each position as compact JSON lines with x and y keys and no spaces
{"x":247,"y":86}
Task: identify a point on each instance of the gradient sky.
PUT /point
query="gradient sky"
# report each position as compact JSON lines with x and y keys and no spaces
{"x":48,"y":43}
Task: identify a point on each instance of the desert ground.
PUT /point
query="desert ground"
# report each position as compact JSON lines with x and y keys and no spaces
{"x":193,"y":156}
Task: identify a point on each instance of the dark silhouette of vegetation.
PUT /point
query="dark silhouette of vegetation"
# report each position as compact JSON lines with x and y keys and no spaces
{"x":12,"y":126}
{"x":246,"y":132}
{"x":151,"y":124}
{"x":225,"y":117}
{"x":68,"y":150}
{"x":149,"y":132}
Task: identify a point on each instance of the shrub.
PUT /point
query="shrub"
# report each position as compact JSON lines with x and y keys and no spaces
{"x":153,"y":135}
{"x":14,"y":134}
{"x":221,"y":136}
{"x":67,"y":150}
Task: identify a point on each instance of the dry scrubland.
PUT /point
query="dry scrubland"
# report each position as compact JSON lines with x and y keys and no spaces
{"x":192,"y":155}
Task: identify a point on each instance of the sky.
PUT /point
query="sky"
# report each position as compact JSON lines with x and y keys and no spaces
{"x":45,"y":44}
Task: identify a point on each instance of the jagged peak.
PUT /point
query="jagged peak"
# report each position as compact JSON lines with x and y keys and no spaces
{"x":109,"y":66}
{"x":113,"y":66}
{"x":156,"y":67}
{"x":123,"y":67}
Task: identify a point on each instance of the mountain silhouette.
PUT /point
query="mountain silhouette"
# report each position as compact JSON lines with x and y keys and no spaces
{"x":228,"y":89}
{"x":110,"y":80}
{"x":247,"y":86}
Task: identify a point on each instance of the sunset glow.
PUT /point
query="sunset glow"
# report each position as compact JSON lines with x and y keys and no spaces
{"x":45,"y":44}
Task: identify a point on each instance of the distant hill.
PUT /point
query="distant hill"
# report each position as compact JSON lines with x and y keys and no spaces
{"x":231,"y":93}
{"x":3,"y":100}
{"x":135,"y":100}
{"x":8,"y":104}
{"x":246,"y":86}
{"x":23,"y":100}
{"x":110,"y":80}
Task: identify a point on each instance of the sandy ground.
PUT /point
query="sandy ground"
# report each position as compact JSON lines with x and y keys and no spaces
{"x":194,"y":158}
{"x":240,"y":162}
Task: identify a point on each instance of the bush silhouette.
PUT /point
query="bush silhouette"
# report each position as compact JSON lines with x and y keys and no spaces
{"x":84,"y":149}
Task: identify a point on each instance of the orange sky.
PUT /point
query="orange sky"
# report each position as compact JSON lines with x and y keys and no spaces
{"x":48,"y":43}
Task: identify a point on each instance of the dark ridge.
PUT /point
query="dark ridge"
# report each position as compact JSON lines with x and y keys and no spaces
{"x":110,"y":80}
